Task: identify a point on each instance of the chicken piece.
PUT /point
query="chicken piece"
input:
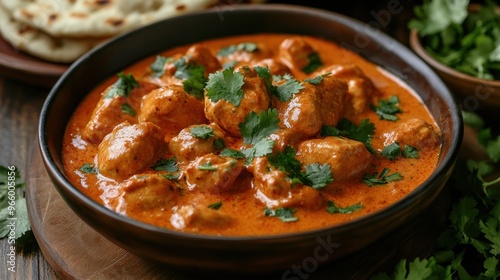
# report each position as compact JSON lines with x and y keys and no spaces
{"x":213,"y":173}
{"x":187,"y":147}
{"x":172,"y":109}
{"x":275,"y":67}
{"x":245,"y":53}
{"x":275,"y":190}
{"x":128,"y":149}
{"x":296,"y":52}
{"x":148,"y":192}
{"x":360,"y":88}
{"x":285,"y":137}
{"x":195,"y":217}
{"x":203,"y":56}
{"x":346,"y":157}
{"x":255,"y":99}
{"x":313,"y":107}
{"x":109,"y":112}
{"x":413,"y":132}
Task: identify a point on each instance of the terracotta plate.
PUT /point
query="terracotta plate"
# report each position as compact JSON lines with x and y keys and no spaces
{"x":21,"y":66}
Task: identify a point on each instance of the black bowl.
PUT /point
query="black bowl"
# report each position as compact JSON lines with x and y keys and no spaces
{"x":245,"y":254}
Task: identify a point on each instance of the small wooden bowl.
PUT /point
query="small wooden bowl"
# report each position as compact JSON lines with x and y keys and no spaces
{"x":471,"y":93}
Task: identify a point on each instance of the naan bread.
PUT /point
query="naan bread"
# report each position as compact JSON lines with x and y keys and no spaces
{"x":97,"y":18}
{"x":24,"y":37}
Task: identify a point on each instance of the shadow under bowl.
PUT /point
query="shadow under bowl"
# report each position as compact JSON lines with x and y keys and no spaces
{"x":252,"y":254}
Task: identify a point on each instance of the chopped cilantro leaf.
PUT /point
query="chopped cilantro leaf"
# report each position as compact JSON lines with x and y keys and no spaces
{"x":88,"y":168}
{"x":225,"y":85}
{"x":127,"y":109}
{"x":216,"y":206}
{"x":123,"y":86}
{"x":318,"y":175}
{"x":313,"y":64}
{"x":392,"y":151}
{"x":232,"y":153}
{"x":332,"y":208}
{"x":192,"y":75}
{"x":387,"y":108}
{"x":158,"y":66}
{"x":261,"y":148}
{"x":264,"y":73}
{"x":410,"y":152}
{"x":168,"y":165}
{"x":375,"y":179}
{"x":316,"y":80}
{"x":284,"y":214}
{"x":171,"y":176}
{"x":202,"y":131}
{"x":219,"y":143}
{"x":207,"y":166}
{"x":291,"y":86}
{"x":362,"y":133}
{"x":246,"y":47}
{"x":256,"y":127}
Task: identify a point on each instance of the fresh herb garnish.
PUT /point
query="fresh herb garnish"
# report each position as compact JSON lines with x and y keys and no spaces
{"x":332,"y":208}
{"x":392,"y":151}
{"x":314,"y":62}
{"x":127,"y":109}
{"x":192,"y":75}
{"x":286,"y":90}
{"x":467,"y":42}
{"x":246,"y":47}
{"x":232,"y":153}
{"x":169,"y":165}
{"x":216,"y":206}
{"x":123,"y":86}
{"x":202,"y":131}
{"x":316,"y":80}
{"x":170,"y":176}
{"x":219,"y":143}
{"x":387,"y":108}
{"x":284,"y":214}
{"x":345,"y":128}
{"x":88,"y":168}
{"x":158,"y":66}
{"x":384,"y":178}
{"x":207,"y":166}
{"x":316,"y":176}
{"x":410,"y":152}
{"x":225,"y":85}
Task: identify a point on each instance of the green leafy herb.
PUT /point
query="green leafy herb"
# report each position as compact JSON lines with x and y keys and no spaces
{"x":123,"y":86}
{"x":387,"y":108}
{"x":315,"y":175}
{"x":13,"y":210}
{"x":192,"y":75}
{"x":169,"y":165}
{"x":286,"y":90}
{"x":467,"y":42}
{"x":316,"y":80}
{"x":246,"y":47}
{"x":88,"y":168}
{"x":230,"y":64}
{"x":375,"y":179}
{"x":256,"y":127}
{"x":225,"y":85}
{"x":219,"y":143}
{"x":345,"y":128}
{"x":332,"y":208}
{"x":127,"y":109}
{"x":216,"y":205}
{"x":232,"y":153}
{"x":392,"y":151}
{"x":170,"y":176}
{"x":410,"y":152}
{"x":284,"y":214}
{"x":207,"y":166}
{"x":261,"y":148}
{"x":202,"y":131}
{"x":158,"y":66}
{"x":314,"y":62}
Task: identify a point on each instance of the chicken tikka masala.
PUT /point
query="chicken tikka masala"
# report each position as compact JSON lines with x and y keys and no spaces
{"x":250,"y":135}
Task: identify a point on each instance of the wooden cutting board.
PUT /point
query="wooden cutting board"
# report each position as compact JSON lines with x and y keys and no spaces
{"x":77,"y":251}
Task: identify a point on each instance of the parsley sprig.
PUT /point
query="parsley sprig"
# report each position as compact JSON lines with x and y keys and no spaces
{"x":345,"y":128}
{"x":225,"y":85}
{"x":192,"y":75}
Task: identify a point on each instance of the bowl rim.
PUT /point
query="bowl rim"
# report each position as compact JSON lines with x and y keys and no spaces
{"x":388,"y":43}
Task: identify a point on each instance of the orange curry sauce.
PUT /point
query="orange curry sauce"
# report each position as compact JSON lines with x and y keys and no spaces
{"x":243,"y":203}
